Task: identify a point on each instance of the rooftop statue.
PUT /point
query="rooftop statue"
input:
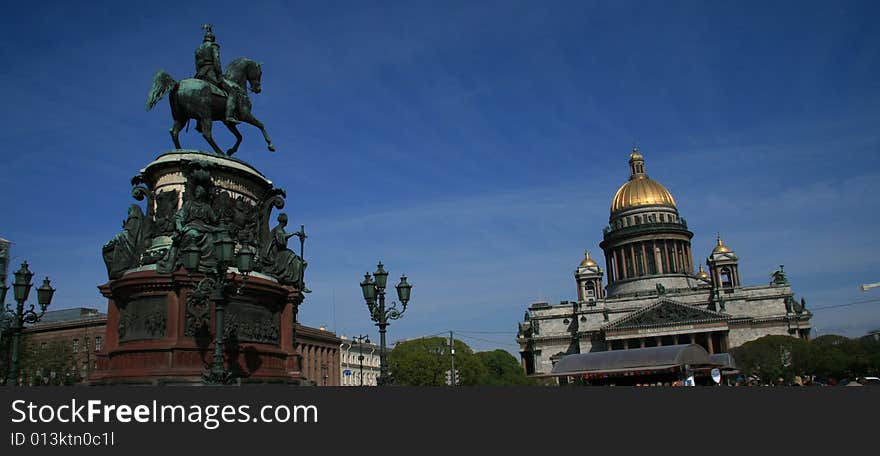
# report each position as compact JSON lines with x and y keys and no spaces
{"x":211,"y":95}
{"x":778,"y":276}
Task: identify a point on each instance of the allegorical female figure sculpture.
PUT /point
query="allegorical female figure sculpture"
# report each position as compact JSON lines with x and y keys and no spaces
{"x":124,"y":250}
{"x":281,"y":262}
{"x":195,"y":224}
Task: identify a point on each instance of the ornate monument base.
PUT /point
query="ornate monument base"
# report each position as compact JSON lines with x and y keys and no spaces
{"x":158,"y":332}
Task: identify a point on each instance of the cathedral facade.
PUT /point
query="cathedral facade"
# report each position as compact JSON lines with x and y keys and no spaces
{"x":649,"y":293}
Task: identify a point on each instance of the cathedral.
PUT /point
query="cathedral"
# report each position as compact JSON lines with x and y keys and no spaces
{"x":652,"y":295}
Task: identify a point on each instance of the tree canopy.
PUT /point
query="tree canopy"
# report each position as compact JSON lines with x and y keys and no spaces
{"x":774,"y":357}
{"x":424,"y":362}
{"x":827,"y":357}
{"x":48,"y":363}
{"x":502,"y":369}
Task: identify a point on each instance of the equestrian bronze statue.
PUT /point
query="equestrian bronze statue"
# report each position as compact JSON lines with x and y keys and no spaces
{"x":211,"y":96}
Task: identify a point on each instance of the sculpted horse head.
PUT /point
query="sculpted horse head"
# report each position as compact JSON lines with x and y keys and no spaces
{"x":243,"y":70}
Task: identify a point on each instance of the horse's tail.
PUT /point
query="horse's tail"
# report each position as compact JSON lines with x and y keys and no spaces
{"x":162,"y":83}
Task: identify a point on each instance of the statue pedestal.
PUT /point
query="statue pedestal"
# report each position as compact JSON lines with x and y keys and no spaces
{"x":154,"y":335}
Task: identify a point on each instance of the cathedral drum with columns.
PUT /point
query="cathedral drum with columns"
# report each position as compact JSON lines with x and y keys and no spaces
{"x":653,"y":296}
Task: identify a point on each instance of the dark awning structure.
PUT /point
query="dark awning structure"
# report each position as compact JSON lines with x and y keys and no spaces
{"x":723,"y":361}
{"x":667,"y":357}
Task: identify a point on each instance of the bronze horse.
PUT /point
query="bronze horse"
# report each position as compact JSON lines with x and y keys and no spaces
{"x":206,"y":103}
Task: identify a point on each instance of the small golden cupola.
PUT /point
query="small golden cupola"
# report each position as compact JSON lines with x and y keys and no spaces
{"x":587,"y":260}
{"x":720,"y":247}
{"x":703,"y":275}
{"x":589,"y":281}
{"x":723,"y":266}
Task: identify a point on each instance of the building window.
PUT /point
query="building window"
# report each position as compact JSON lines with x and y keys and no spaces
{"x":42,"y":345}
{"x":75,"y":345}
{"x":98,"y":343}
{"x":726,"y":281}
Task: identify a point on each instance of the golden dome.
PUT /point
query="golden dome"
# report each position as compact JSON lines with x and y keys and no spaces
{"x":702,"y":274}
{"x":587,"y":260}
{"x":720,"y":248}
{"x":640,"y":190}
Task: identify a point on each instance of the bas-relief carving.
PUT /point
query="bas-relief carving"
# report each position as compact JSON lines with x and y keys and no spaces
{"x":142,"y":318}
{"x":166,"y":208}
{"x":668,"y":313}
{"x":250,"y":322}
{"x":197,"y":318}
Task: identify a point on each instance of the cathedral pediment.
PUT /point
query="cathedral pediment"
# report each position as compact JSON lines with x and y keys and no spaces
{"x":666,"y":312}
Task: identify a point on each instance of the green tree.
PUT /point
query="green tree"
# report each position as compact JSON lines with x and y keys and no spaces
{"x":502,"y":369}
{"x":47,"y":363}
{"x":840,"y":357}
{"x":774,"y":357}
{"x":424,"y":362}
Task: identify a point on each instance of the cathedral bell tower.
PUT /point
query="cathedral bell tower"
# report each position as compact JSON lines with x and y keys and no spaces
{"x":723,"y":267}
{"x":589,"y":281}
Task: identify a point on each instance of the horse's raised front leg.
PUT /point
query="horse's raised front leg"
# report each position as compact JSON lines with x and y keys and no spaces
{"x":248,"y":117}
{"x":231,"y":126}
{"x":205,"y":125}
{"x":175,"y":132}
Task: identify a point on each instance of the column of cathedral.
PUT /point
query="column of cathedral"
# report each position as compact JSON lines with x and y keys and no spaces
{"x":608,"y":268}
{"x":631,"y":260}
{"x":677,"y":339}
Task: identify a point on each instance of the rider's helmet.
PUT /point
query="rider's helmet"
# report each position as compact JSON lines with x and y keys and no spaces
{"x":209,"y":35}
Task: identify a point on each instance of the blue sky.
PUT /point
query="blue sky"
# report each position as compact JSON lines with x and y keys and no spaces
{"x":474,"y":146}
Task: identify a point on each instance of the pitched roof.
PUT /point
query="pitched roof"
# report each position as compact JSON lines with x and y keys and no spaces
{"x":666,"y":312}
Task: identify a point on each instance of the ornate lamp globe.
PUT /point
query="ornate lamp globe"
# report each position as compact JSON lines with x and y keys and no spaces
{"x":403,"y":290}
{"x":381,"y":276}
{"x":22,"y":285}
{"x":45,"y":293}
{"x":191,"y":256}
{"x":245,"y":259}
{"x":368,"y":288}
{"x":223,"y":248}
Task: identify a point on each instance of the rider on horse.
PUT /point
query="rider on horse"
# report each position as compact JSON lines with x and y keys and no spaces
{"x":208,"y":69}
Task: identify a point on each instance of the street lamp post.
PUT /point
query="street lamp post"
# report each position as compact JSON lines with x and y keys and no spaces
{"x":216,"y":287}
{"x":374,"y":295}
{"x":21,"y":290}
{"x":361,"y":340}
